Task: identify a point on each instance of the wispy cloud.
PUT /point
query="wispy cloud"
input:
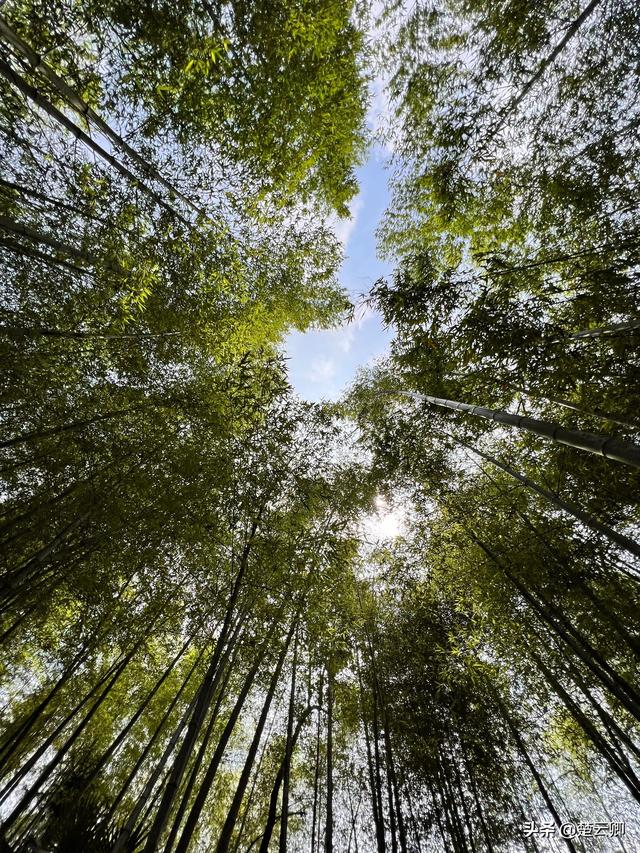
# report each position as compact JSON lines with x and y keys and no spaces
{"x":343,"y":228}
{"x":322,"y":370}
{"x":345,"y":337}
{"x":364,"y":313}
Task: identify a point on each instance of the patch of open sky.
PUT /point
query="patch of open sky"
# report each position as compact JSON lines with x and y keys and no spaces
{"x":323,"y":362}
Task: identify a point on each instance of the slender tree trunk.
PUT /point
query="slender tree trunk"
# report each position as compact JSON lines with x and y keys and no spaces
{"x":402,"y":831}
{"x":438,"y":809}
{"x":43,"y":554}
{"x":550,"y":616}
{"x":617,"y":734}
{"x":207,"y":781}
{"x":15,"y":738}
{"x":23,"y":331}
{"x":602,"y":445}
{"x":232,"y":815}
{"x":414,"y":823}
{"x":73,"y":425}
{"x":228,"y":664}
{"x":376,"y":809}
{"x":254,"y":784}
{"x":205,"y":695}
{"x":49,"y":502}
{"x":31,"y":762}
{"x":108,"y":753}
{"x":566,"y":404}
{"x":465,"y":810}
{"x":379,"y":707}
{"x":569,"y":508}
{"x":53,"y":201}
{"x":529,"y":842}
{"x":548,"y":60}
{"x":284,"y":818}
{"x":353,"y":831}
{"x":153,"y":800}
{"x":316,"y":778}
{"x":450,"y":800}
{"x":612,"y":620}
{"x":50,"y":767}
{"x":391,"y":772}
{"x":376,"y":755}
{"x":392,"y":811}
{"x":476,"y":798}
{"x":328,"y":846}
{"x":150,"y":743}
{"x":39,"y":66}
{"x":23,"y":230}
{"x":609,"y":816}
{"x":145,"y":795}
{"x":375,"y":805}
{"x":593,"y":251}
{"x":534,"y":772}
{"x":58,"y":116}
{"x":602,"y":331}
{"x":586,"y":651}
{"x":17,"y":623}
{"x":619,"y":739}
{"x":272,"y":815}
{"x":53,"y":261}
{"x":448,"y":810}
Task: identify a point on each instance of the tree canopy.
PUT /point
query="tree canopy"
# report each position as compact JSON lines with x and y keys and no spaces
{"x":201,"y":647}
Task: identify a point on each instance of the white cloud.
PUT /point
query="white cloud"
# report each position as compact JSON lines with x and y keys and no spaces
{"x":364,"y":313}
{"x":345,"y":336}
{"x":322,"y":370}
{"x":342,"y":338}
{"x":343,"y":228}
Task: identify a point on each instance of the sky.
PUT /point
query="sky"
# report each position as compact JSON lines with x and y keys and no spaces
{"x":323,"y":362}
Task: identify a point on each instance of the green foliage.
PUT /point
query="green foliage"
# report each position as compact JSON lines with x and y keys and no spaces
{"x":77,"y":821}
{"x":198,"y":635}
{"x":275,"y":90}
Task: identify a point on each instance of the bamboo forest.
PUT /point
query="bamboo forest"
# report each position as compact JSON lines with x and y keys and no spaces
{"x":208,"y":641}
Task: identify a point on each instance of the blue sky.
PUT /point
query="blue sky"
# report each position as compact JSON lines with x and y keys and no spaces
{"x":322,"y":363}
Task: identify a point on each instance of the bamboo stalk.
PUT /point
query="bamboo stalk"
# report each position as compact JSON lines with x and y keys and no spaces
{"x":601,"y":445}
